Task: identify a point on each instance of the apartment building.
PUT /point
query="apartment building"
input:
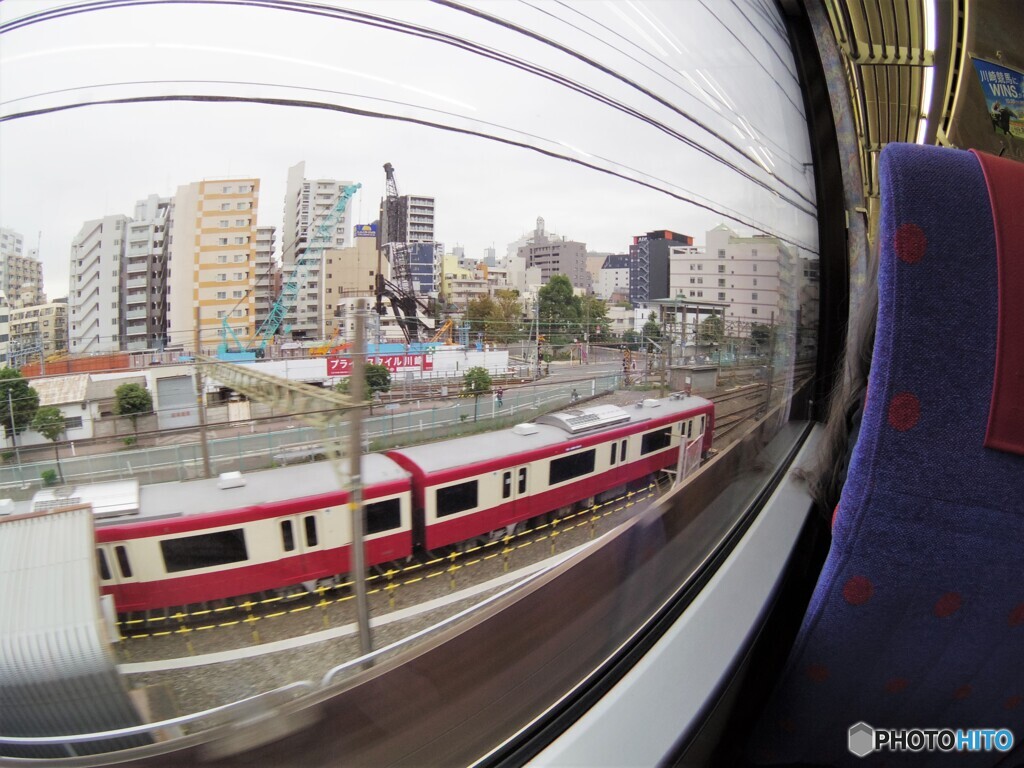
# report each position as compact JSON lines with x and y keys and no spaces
{"x":649,"y":264}
{"x":21,"y":276}
{"x":212,"y":263}
{"x":39,"y":328}
{"x":350,"y":273}
{"x":143,"y":314}
{"x":268,"y":273}
{"x":753,"y":276}
{"x":306,"y":204}
{"x":94,"y":291}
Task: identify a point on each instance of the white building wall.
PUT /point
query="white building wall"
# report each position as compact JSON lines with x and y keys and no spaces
{"x":306,"y":202}
{"x":94,"y":297}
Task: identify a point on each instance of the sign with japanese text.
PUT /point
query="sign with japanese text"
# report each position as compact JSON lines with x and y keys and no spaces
{"x":342,"y":366}
{"x":1004,"y":94}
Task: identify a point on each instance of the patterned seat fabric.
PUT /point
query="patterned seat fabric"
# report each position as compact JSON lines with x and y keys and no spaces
{"x":917,"y":620}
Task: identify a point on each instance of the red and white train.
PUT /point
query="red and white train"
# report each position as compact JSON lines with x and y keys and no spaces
{"x":179,"y":543}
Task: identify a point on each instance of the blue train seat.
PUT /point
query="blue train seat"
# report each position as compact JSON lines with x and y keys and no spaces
{"x":917,"y":620}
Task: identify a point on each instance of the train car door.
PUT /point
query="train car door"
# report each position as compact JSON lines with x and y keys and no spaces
{"x":514,"y":490}
{"x":114,"y":565}
{"x":301,"y":539}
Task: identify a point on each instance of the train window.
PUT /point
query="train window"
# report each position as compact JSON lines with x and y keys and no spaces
{"x":568,"y":467}
{"x":614,"y":446}
{"x":101,"y":558}
{"x":310,"y":523}
{"x":701,"y":425}
{"x":122,"y":561}
{"x":622,"y":451}
{"x":522,"y":480}
{"x":656,"y":440}
{"x":506,"y":485}
{"x":186,"y":553}
{"x":689,"y":429}
{"x":287,"y":537}
{"x":383,"y":515}
{"x":456,"y":498}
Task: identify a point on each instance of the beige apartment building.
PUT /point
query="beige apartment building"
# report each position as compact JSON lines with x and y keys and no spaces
{"x":212,"y":262}
{"x":349,"y":273}
{"x":44,"y":325}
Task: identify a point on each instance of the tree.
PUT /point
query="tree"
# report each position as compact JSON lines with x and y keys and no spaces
{"x":49,"y":422}
{"x":559,"y":310}
{"x":760,"y":334}
{"x":631,"y":338}
{"x":504,"y":317}
{"x":476,"y":381}
{"x":378,"y":379}
{"x":711,"y":330}
{"x":132,"y":400}
{"x":17,"y":399}
{"x":478,"y":314}
{"x":594,"y":313}
{"x":651,"y":331}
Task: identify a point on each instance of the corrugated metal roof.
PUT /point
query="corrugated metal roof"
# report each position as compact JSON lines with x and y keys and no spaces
{"x":104,"y":389}
{"x":58,"y":675}
{"x":61,"y":390}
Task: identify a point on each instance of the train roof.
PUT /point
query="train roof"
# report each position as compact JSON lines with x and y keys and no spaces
{"x":125,"y":500}
{"x":548,"y":430}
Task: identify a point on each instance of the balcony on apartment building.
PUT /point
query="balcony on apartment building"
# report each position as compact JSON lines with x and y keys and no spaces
{"x":136,"y":282}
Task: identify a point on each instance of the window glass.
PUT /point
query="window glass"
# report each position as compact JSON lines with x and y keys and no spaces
{"x":383,"y":515}
{"x":310,"y":524}
{"x":655,"y":441}
{"x":456,"y":498}
{"x":287,"y":537}
{"x":522,"y":480}
{"x":122,"y":561}
{"x":568,"y":467}
{"x":186,"y":553}
{"x":101,"y":558}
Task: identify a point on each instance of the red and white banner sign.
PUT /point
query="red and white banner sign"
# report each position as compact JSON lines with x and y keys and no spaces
{"x":342,"y":366}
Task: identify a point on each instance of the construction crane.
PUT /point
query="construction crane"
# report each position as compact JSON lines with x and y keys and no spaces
{"x":400,"y":291}
{"x":286,"y":299}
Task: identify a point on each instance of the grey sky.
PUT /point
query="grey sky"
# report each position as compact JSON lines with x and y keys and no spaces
{"x":60,"y":169}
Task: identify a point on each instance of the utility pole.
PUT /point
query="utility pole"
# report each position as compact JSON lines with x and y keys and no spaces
{"x":14,"y":431}
{"x":357,"y":381}
{"x":536,"y":330}
{"x":770,"y":368}
{"x":201,"y":401}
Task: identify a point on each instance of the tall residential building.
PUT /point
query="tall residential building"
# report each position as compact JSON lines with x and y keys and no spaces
{"x":753,"y":275}
{"x":613,"y":279}
{"x":268,"y":278}
{"x":21,"y":276}
{"x":649,"y":264}
{"x":306,"y":202}
{"x":144,"y":277}
{"x":5,"y":329}
{"x":41,"y":327}
{"x":350,"y":273}
{"x":556,"y":257}
{"x":211,"y":262}
{"x":94,"y":292}
{"x":419,"y":218}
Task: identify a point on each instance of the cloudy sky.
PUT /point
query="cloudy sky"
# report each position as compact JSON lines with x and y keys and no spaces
{"x":609,"y":119}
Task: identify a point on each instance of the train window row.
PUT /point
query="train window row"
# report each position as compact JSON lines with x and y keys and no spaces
{"x":207,"y":550}
{"x":573,"y":466}
{"x":456,"y":498}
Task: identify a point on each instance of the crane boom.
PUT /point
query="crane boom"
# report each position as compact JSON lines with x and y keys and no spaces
{"x":286,"y":299}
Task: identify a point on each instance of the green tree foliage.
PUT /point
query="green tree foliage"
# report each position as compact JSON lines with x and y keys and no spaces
{"x":49,"y":422}
{"x":651,"y":330}
{"x":378,"y":379}
{"x":631,"y":338}
{"x":505,"y":317}
{"x":594,"y":314}
{"x":476,"y":381}
{"x":760,"y":334}
{"x":711,"y":330}
{"x":23,"y":398}
{"x":132,"y":400}
{"x":479,"y":313}
{"x":559,"y":310}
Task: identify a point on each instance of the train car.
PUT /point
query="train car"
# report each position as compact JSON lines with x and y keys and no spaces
{"x":477,"y":485}
{"x":180,"y":543}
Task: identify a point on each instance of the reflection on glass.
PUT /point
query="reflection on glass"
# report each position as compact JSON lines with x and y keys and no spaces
{"x":593,"y":198}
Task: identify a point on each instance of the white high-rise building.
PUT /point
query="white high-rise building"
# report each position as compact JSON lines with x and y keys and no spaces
{"x":94,"y":292}
{"x":306,"y":203}
{"x":144,"y":278}
{"x":268,"y":275}
{"x":753,"y":275}
{"x":21,"y":276}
